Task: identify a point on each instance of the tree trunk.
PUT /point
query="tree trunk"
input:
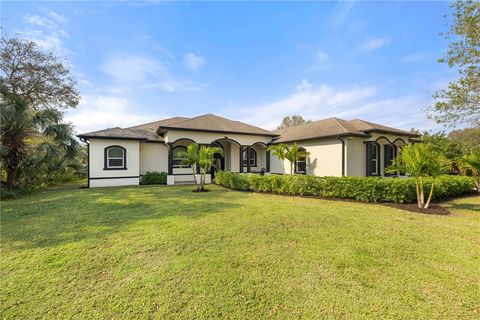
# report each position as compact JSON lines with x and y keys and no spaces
{"x":11,"y":178}
{"x":422,"y":196}
{"x":195,"y":177}
{"x":291,"y":168}
{"x":430,"y":196}
{"x":417,"y":182}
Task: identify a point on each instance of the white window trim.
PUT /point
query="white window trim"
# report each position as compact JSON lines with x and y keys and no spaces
{"x":116,"y":158}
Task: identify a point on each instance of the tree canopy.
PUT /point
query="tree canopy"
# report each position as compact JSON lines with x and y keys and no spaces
{"x":291,"y":121}
{"x":460,"y":102}
{"x":35,"y":88}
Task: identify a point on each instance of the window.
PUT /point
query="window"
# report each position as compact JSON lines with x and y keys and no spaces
{"x":301,"y":165}
{"x":390,"y":152}
{"x":372,"y":159}
{"x":179,"y":156}
{"x":253,"y":158}
{"x":115,"y":158}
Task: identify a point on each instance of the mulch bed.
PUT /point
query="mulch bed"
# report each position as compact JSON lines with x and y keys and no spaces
{"x":434,"y":208}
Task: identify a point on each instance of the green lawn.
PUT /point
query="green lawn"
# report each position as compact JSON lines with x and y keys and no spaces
{"x":166,"y":252}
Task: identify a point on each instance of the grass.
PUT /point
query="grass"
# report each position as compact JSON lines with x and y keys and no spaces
{"x":166,"y":252}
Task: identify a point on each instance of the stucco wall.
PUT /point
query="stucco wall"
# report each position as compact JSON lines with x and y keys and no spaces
{"x":355,"y":157}
{"x":325,"y":158}
{"x":356,"y":152}
{"x":96,"y":162}
{"x":153,"y":157}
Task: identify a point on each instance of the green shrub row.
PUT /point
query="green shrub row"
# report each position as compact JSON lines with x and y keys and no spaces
{"x":154,"y":177}
{"x":368,"y":189}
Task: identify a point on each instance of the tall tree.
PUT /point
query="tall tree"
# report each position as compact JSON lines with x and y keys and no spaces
{"x":291,"y":121}
{"x":460,"y":102}
{"x":35,"y":88}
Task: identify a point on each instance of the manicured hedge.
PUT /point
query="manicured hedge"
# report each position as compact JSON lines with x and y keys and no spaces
{"x":154,"y":177}
{"x":368,"y":189}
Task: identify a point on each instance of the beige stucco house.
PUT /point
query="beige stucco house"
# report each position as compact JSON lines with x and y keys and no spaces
{"x":120,"y":156}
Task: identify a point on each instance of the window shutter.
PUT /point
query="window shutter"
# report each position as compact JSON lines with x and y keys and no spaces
{"x":367,"y":162}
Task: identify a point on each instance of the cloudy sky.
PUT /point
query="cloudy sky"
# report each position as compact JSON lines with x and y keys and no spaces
{"x":257,"y":62}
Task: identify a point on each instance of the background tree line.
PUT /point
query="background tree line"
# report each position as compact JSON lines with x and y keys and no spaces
{"x":37,"y":148}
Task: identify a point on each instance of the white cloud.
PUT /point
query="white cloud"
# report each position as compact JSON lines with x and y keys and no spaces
{"x":193,"y":61}
{"x":106,"y":111}
{"x":415,"y":57}
{"x":145,"y":72}
{"x":304,"y":85}
{"x":46,"y":31}
{"x":322,"y":56}
{"x":323,"y":101}
{"x":373,"y":43}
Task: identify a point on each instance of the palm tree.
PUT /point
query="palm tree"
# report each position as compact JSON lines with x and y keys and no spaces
{"x":293,"y":153}
{"x":191,"y":158}
{"x":279,"y":150}
{"x":469,"y":164}
{"x":421,"y":161}
{"x":33,"y":142}
{"x":204,"y":158}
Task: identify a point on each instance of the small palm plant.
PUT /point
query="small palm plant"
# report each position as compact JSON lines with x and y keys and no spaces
{"x":421,"y":161}
{"x":469,"y":164}
{"x":204,"y":157}
{"x":294,"y":152}
{"x":291,"y":153}
{"x":191,"y":158}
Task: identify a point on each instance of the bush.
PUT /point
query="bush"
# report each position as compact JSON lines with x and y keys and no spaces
{"x":154,"y":177}
{"x":368,"y":189}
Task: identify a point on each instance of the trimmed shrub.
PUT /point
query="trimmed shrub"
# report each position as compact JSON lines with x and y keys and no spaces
{"x":154,"y":177}
{"x":368,"y":189}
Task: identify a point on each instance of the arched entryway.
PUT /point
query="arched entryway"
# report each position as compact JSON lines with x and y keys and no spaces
{"x":218,"y":160}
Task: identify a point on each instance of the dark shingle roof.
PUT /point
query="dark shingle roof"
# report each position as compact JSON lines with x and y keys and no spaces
{"x":334,"y":127}
{"x":146,"y":131}
{"x":113,"y":133}
{"x":213,"y":123}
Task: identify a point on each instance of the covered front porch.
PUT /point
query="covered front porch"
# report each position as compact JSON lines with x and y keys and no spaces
{"x":237,"y":156}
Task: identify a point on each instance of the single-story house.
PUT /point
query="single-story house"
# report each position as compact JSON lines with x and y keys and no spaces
{"x":120,"y":156}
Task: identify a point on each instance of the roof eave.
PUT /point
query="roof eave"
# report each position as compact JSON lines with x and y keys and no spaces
{"x":87,"y":137}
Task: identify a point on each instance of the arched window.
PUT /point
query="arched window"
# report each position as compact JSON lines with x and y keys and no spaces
{"x":253,"y":158}
{"x":115,"y":158}
{"x":179,"y":156}
{"x":301,"y":165}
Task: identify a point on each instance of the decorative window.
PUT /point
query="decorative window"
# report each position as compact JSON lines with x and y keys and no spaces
{"x":301,"y":165}
{"x":179,"y":156}
{"x":253,"y":158}
{"x":372,"y":159}
{"x":115,"y":158}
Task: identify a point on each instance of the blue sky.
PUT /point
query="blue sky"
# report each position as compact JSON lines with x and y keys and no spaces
{"x":142,"y":61}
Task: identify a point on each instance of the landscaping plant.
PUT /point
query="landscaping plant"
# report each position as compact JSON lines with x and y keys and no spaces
{"x":291,"y":153}
{"x":469,"y":164}
{"x":421,"y":161}
{"x":204,"y":158}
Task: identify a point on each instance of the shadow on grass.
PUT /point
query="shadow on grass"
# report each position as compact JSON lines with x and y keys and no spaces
{"x":464,"y":206}
{"x":69,"y":216}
